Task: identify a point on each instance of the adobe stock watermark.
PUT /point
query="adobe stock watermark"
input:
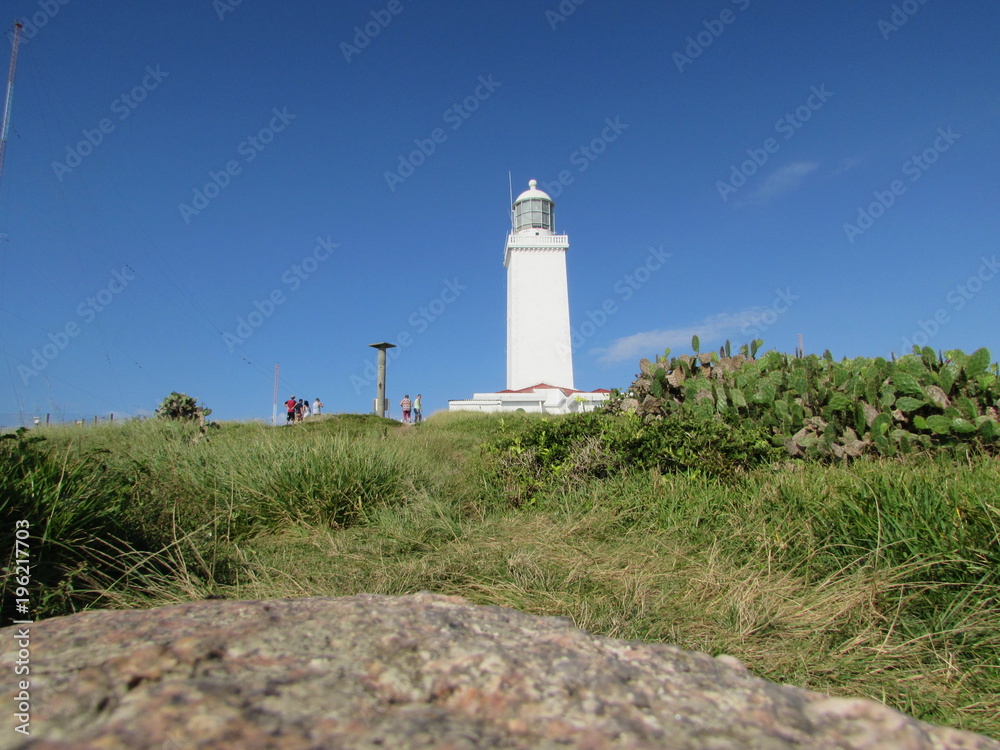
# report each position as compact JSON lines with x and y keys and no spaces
{"x":47,"y":10}
{"x":224,"y":7}
{"x":900,"y":14}
{"x":915,"y":167}
{"x":957,"y":298}
{"x":21,"y":555}
{"x":292,"y":280}
{"x":455,"y":116}
{"x":250,"y":148}
{"x":122,"y":106}
{"x":624,"y":288}
{"x":786,"y":126}
{"x":87,"y":312}
{"x":586,"y":155}
{"x":561,"y":12}
{"x":714,"y":28}
{"x":363,"y":34}
{"x":761,"y":320}
{"x":419,"y":321}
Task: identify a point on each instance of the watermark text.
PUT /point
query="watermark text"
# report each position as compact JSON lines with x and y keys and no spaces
{"x":915,"y":167}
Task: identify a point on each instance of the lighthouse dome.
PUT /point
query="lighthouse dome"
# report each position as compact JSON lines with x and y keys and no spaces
{"x":534,"y":209}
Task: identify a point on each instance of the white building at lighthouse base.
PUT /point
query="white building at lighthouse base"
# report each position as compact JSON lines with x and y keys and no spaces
{"x":536,"y":399}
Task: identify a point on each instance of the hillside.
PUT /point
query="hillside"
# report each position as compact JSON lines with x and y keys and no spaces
{"x":877,"y":577}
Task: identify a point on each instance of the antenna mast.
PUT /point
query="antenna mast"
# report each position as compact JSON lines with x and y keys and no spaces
{"x":510,"y":186}
{"x":10,"y":92}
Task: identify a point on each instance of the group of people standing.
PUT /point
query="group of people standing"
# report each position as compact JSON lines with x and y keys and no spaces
{"x":299,"y":410}
{"x":412,"y":410}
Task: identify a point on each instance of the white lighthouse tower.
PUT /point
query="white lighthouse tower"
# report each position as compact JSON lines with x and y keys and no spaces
{"x":539,"y":347}
{"x":539,"y":339}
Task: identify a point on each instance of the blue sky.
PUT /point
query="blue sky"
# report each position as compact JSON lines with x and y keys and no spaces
{"x":336,"y":174}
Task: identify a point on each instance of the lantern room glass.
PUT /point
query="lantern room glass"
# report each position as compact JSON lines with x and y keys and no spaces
{"x":534,"y":213}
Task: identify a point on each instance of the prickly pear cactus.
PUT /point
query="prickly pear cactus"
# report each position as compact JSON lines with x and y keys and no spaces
{"x":815,"y":406}
{"x":181,"y":407}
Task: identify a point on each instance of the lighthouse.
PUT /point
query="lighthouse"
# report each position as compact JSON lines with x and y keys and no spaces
{"x":539,"y":348}
{"x":539,"y":339}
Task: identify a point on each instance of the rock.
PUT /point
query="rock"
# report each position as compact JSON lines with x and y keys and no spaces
{"x":419,"y":671}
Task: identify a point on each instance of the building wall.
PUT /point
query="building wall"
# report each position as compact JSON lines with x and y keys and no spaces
{"x":545,"y":401}
{"x":538,"y":333}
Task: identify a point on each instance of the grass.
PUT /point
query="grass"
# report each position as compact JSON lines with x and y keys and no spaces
{"x":877,"y":579}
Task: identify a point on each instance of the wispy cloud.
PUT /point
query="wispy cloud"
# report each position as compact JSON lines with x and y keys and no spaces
{"x":783,"y":180}
{"x":651,"y":343}
{"x":851,"y":162}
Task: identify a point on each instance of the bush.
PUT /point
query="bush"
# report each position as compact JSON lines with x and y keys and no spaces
{"x":530,"y":455}
{"x":181,"y":407}
{"x":818,"y":408}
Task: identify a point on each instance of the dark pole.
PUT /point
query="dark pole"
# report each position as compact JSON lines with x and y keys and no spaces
{"x":381,"y":405}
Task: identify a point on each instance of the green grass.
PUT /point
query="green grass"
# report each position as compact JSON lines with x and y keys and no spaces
{"x":879,"y":578}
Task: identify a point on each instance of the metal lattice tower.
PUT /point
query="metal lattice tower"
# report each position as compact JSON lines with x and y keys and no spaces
{"x":10,"y":93}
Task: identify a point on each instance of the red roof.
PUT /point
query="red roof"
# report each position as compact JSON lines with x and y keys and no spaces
{"x":546,"y":386}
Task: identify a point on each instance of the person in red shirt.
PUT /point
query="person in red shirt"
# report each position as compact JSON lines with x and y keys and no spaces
{"x":290,"y":406}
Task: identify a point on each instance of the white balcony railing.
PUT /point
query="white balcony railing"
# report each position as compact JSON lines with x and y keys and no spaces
{"x":536,"y":240}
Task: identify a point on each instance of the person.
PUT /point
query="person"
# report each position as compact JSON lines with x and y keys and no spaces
{"x":290,"y":406}
{"x":298,"y":411}
{"x":406,"y":405}
{"x":317,"y":405}
{"x":305,"y":408}
{"x":417,"y":407}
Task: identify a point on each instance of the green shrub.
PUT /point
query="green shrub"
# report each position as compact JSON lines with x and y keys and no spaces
{"x":180,"y":406}
{"x":530,"y":455}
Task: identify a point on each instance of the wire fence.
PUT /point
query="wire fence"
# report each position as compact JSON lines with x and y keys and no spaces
{"x":11,"y":421}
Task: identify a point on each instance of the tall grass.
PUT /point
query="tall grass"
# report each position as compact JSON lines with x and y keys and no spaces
{"x":121,"y":509}
{"x":878,"y":579}
{"x":72,"y":514}
{"x":248,"y":478}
